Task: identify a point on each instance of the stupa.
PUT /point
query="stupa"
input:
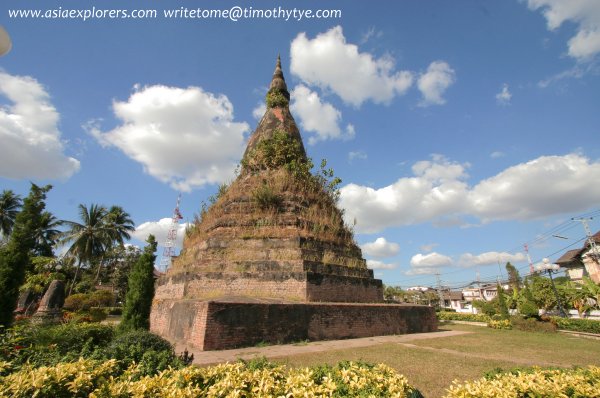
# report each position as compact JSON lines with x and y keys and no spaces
{"x":271,"y":260}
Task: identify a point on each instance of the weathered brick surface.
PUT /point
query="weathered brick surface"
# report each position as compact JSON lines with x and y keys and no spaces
{"x":221,"y":325}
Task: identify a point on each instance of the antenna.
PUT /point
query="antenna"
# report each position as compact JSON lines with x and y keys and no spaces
{"x":169,"y":246}
{"x":531,"y":270}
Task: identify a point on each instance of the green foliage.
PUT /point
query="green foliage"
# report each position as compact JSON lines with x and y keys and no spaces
{"x":140,"y":290}
{"x":577,"y":325}
{"x":279,"y":150}
{"x":458,"y":316}
{"x":543,"y":294}
{"x":266,"y":198}
{"x":85,"y":301}
{"x":500,"y":324}
{"x":489,"y":308}
{"x":151,"y":352}
{"x":526,"y":304}
{"x":107,"y":379}
{"x":74,"y":379}
{"x":276,"y":98}
{"x":10,"y":204}
{"x":40,"y":345}
{"x":15,"y":256}
{"x":502,"y":307}
{"x":578,"y":382}
{"x":513,"y":276}
{"x":533,"y":325}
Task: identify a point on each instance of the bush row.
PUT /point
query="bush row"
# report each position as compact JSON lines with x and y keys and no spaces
{"x":577,"y":325}
{"x":459,"y":316}
{"x":242,"y":379}
{"x":103,"y":379}
{"x":37,"y":346}
{"x":582,"y":382}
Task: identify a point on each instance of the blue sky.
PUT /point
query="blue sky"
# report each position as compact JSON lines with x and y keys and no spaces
{"x":461,"y":130}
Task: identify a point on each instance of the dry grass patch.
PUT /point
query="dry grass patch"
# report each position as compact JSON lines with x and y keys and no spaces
{"x":432,"y":364}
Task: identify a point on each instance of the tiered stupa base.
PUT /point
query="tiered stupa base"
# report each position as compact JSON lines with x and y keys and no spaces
{"x":225,"y":324}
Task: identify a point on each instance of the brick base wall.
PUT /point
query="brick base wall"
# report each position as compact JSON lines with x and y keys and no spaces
{"x":214,"y":325}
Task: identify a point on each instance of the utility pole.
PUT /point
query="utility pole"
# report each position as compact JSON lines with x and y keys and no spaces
{"x":439,"y":284}
{"x":169,"y":246}
{"x":588,"y":234}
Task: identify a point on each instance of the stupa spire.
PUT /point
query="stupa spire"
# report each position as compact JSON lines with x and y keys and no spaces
{"x":278,"y":94}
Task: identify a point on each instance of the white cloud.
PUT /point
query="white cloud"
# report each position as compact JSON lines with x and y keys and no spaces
{"x":585,"y":13}
{"x":31,"y":141}
{"x":331,"y":63}
{"x":497,"y":154}
{"x":434,"y":83}
{"x":353,"y":155}
{"x":381,"y":248}
{"x":159,"y":229}
{"x":184,"y":137}
{"x":428,"y":263}
{"x":435,"y":191}
{"x":546,"y":186}
{"x":318,"y":117}
{"x":490,"y":258}
{"x":504,"y":96}
{"x":374,"y":264}
{"x":259,"y":111}
{"x":428,"y":247}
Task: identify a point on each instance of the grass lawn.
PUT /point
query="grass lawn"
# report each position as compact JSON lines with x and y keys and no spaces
{"x":432,"y":364}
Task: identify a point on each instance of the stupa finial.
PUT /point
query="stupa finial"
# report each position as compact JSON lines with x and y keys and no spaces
{"x":278,"y":94}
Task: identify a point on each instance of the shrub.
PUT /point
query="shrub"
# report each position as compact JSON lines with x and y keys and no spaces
{"x":577,"y":325}
{"x":75,"y":379}
{"x":528,"y":309}
{"x":533,"y":325}
{"x":459,"y":316}
{"x":582,"y":382}
{"x":101,"y":298}
{"x":500,"y":324}
{"x":49,"y":345}
{"x":260,"y":379}
{"x":76,"y":302}
{"x":151,"y":352}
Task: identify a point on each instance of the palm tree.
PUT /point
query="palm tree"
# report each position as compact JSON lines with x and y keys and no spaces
{"x":89,"y":238}
{"x":119,"y":225}
{"x":47,"y":235}
{"x":10,"y":204}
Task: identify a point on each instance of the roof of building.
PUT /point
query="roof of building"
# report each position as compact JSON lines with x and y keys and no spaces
{"x":570,"y":258}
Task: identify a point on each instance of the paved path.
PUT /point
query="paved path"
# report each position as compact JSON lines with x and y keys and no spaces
{"x":213,"y":357}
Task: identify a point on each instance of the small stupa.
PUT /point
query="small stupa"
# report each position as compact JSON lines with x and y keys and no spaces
{"x":272,"y":259}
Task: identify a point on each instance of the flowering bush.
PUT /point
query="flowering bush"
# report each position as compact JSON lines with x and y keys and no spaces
{"x":582,"y":382}
{"x":100,"y":380}
{"x":500,"y":324}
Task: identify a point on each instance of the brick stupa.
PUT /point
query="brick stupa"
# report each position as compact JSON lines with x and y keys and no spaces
{"x":272,"y":260}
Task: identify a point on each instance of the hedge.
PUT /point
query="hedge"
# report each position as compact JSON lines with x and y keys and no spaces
{"x":99,"y":380}
{"x":577,"y":325}
{"x":459,"y":316}
{"x":582,"y":382}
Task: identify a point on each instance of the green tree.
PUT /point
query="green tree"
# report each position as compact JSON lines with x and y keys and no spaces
{"x":15,"y":256}
{"x":140,"y":290}
{"x":87,"y":239}
{"x":514,"y":279}
{"x":118,"y":224}
{"x":526,"y":304}
{"x":502,"y":307}
{"x":47,"y":235}
{"x":10,"y":204}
